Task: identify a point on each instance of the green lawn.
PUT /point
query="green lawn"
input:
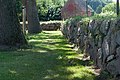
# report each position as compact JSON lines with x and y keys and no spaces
{"x":49,"y":58}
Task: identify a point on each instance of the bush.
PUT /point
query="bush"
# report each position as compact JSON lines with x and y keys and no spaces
{"x":104,"y":16}
{"x":47,"y":9}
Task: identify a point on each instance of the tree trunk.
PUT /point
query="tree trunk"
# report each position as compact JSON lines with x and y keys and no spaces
{"x":117,"y":7}
{"x":32,"y":17}
{"x":10,"y":29}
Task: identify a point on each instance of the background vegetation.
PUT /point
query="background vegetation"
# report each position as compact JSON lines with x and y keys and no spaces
{"x":51,"y":9}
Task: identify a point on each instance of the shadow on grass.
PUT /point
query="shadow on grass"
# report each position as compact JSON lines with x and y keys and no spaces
{"x":105,"y":75}
{"x":44,"y":36}
{"x":78,"y":62}
{"x":43,"y":61}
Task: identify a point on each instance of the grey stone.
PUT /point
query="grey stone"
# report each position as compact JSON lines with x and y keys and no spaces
{"x":97,"y":31}
{"x":118,"y":50}
{"x":105,"y":49}
{"x":112,"y":43}
{"x":114,"y":66}
{"x":100,"y":53}
{"x":109,"y":58}
{"x":112,"y":27}
{"x":104,"y":27}
{"x":118,"y":37}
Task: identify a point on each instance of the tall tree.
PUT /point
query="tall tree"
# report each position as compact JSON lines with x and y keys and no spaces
{"x":32,"y":17}
{"x":117,"y":7}
{"x":10,"y":29}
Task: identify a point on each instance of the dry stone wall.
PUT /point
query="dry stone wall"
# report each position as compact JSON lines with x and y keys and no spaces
{"x":100,"y":39}
{"x":49,"y":26}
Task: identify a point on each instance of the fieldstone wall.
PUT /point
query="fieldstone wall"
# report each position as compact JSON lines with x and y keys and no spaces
{"x":100,"y":39}
{"x":49,"y":25}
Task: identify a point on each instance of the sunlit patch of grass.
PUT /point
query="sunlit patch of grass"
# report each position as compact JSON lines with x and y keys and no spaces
{"x":48,"y":58}
{"x":81,"y":72}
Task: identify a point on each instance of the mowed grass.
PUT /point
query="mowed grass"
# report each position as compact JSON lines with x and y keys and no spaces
{"x":49,"y":58}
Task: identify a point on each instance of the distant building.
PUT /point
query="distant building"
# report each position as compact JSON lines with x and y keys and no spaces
{"x":75,"y":8}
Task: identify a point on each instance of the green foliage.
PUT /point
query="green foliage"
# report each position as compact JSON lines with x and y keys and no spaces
{"x":47,"y":9}
{"x":72,"y":21}
{"x":111,"y":7}
{"x":50,"y":13}
{"x":98,"y":4}
{"x":76,"y":19}
{"x":106,"y":1}
{"x":108,"y":12}
{"x":103,"y":16}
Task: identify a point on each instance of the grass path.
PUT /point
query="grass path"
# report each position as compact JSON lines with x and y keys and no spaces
{"x":49,"y":58}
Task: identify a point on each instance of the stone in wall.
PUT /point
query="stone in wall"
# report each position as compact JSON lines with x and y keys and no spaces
{"x":113,"y":65}
{"x":104,"y":27}
{"x":113,"y":43}
{"x":118,"y":37}
{"x":51,"y":26}
{"x":105,"y":50}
